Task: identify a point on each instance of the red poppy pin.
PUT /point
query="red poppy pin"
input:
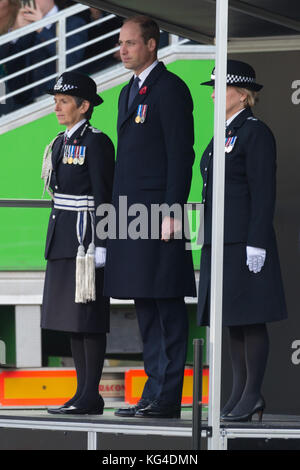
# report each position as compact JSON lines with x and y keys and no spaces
{"x":143,"y":90}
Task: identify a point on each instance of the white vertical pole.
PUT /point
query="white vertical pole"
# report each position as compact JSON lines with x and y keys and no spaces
{"x":61,"y":47}
{"x":91,"y":440}
{"x":28,"y":336}
{"x":215,"y":341}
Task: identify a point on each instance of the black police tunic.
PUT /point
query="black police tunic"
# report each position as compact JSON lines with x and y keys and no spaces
{"x":250,"y":189}
{"x":93,"y":177}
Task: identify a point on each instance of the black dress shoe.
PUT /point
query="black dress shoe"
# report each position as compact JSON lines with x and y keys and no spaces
{"x":158,"y":409}
{"x":57,"y":411}
{"x":131,"y":411}
{"x":76,"y":410}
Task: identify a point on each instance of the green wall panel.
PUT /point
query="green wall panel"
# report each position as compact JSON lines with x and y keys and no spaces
{"x":22,"y":238}
{"x":23,"y":231}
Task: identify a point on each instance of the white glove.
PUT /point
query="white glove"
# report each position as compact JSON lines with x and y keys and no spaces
{"x":255,"y":258}
{"x":100,"y":256}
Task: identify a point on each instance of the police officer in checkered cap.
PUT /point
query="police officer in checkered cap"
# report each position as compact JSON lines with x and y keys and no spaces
{"x":239,"y":74}
{"x":78,"y":169}
{"x":79,"y":85}
{"x":252,"y":286}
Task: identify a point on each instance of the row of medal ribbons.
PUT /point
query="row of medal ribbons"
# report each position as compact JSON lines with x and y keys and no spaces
{"x":141,"y":113}
{"x":229,"y":143}
{"x":74,"y":154}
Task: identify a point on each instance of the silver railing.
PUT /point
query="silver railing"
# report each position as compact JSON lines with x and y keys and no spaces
{"x":59,"y":40}
{"x":62,"y":52}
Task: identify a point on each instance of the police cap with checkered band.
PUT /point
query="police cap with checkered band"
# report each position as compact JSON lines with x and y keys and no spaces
{"x":239,"y":74}
{"x":77,"y":84}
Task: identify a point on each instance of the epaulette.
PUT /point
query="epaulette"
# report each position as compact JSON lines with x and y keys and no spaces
{"x":95,"y":130}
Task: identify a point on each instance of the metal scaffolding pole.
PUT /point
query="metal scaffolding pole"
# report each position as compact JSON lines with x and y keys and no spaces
{"x":216,"y":294}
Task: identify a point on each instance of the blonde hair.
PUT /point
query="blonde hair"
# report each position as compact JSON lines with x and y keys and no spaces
{"x":251,"y":98}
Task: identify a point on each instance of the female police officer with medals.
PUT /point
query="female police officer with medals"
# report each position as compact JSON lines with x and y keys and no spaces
{"x":252,"y":286}
{"x":78,"y":171}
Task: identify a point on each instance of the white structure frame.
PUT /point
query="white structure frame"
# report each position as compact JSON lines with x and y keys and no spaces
{"x":218,"y":438}
{"x":216,"y":294}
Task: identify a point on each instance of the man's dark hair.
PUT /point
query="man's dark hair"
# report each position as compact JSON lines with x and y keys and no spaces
{"x":79,"y":102}
{"x":149,"y":28}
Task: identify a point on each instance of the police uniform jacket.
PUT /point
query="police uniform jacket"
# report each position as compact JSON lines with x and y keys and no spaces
{"x":94,"y":177}
{"x":250,"y":191}
{"x":153,"y":166}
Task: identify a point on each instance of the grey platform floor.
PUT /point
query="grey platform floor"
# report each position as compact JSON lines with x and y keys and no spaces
{"x":35,"y":429}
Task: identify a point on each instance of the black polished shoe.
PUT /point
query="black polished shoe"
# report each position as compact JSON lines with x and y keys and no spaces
{"x":57,"y":411}
{"x":76,"y":410}
{"x":258,"y":408}
{"x":79,"y":408}
{"x":131,"y":411}
{"x":158,"y":409}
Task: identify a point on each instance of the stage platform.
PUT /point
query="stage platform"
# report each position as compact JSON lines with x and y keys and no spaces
{"x":24,"y":429}
{"x":95,"y":427}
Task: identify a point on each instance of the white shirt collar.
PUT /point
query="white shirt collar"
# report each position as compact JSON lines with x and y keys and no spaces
{"x":52,"y":12}
{"x":71,"y":131}
{"x":233,"y":117}
{"x":144,"y":74}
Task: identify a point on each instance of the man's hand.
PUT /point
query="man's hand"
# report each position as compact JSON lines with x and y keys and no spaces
{"x":169,"y":228}
{"x":33,"y":14}
{"x":21,"y":20}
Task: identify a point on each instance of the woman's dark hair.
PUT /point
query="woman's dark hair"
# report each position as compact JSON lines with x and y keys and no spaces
{"x":79,"y":102}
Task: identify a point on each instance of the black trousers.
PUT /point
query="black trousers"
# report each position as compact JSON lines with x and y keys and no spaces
{"x":163,"y":325}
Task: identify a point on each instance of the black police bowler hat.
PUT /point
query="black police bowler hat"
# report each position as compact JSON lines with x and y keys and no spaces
{"x":239,"y":74}
{"x":77,"y":84}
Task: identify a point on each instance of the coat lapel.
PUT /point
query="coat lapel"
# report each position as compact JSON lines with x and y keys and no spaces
{"x":125,"y":113}
{"x":123,"y":103}
{"x":238,"y":122}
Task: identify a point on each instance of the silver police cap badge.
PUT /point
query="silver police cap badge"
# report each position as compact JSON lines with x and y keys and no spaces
{"x":60,"y":86}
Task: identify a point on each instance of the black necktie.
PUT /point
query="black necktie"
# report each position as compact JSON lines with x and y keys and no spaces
{"x":133,"y":91}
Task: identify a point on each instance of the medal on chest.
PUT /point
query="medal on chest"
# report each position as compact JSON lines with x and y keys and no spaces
{"x":229,"y":143}
{"x":141,"y":114}
{"x":74,"y":154}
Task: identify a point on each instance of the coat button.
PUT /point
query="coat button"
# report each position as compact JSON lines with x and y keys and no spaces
{"x":203,"y":200}
{"x":53,"y":217}
{"x":204,"y":184}
{"x":209,"y":154}
{"x":205,"y":169}
{"x":56,"y":187}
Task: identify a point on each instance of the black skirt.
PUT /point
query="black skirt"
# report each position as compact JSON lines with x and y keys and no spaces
{"x":59,"y":310}
{"x":248,"y":298}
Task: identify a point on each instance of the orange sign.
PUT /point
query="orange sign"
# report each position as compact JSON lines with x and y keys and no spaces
{"x":135,"y":380}
{"x":36,"y":387}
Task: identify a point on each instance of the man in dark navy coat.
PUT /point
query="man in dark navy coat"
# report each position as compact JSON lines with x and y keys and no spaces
{"x":154,"y":166}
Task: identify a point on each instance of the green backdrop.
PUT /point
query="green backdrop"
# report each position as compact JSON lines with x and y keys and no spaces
{"x":23,"y":230}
